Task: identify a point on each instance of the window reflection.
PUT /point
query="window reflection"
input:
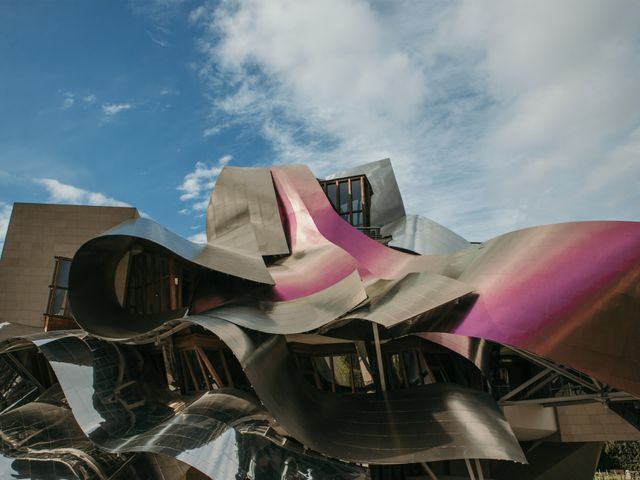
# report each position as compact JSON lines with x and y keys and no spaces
{"x":350,"y":197}
{"x":58,"y":314}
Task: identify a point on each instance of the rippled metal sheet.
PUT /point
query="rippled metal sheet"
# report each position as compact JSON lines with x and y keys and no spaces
{"x":407,"y":299}
{"x":296,"y":316}
{"x":568,"y":292}
{"x":476,"y":350}
{"x":245,"y":196}
{"x":43,"y":441}
{"x":423,"y":236}
{"x":386,"y":202}
{"x":225,"y":434}
{"x":437,"y":422}
{"x":373,"y":260}
{"x":91,"y":279}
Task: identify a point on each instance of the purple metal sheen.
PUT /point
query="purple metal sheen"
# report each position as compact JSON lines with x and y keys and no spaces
{"x":568,"y":292}
{"x":374,"y":260}
{"x":315,"y":264}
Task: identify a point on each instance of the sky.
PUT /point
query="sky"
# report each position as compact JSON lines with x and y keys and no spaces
{"x":496,"y":115}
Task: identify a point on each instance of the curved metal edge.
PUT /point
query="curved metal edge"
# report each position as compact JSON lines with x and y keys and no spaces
{"x":222,"y":258}
{"x":296,"y":316}
{"x":476,"y":350}
{"x":422,"y":236}
{"x":92,"y":294}
{"x":382,"y":428}
{"x":246,"y":196}
{"x":44,"y":441}
{"x":567,"y":292}
{"x":223,"y":434}
{"x":409,"y":298}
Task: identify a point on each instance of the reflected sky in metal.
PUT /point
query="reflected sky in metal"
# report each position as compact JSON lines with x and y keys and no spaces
{"x":436,"y":422}
{"x":226,"y":434}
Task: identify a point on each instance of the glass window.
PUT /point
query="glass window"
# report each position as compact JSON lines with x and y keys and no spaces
{"x":356,"y":195}
{"x":344,"y":197}
{"x":58,"y":304}
{"x":332,"y":194}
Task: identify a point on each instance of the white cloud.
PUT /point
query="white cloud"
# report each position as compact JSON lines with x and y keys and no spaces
{"x":196,"y":186}
{"x":63,"y":193}
{"x":5,"y":216}
{"x":496,"y":115}
{"x":200,"y":237}
{"x":90,"y":99}
{"x":112,"y":109}
{"x":68,"y":101}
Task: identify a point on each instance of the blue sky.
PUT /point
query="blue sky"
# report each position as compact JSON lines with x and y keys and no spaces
{"x":496,"y":116}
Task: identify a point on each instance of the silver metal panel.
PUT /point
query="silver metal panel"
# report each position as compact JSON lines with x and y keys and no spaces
{"x":407,"y":299}
{"x":219,"y":257}
{"x":423,"y":236}
{"x":436,"y":422}
{"x":92,"y":276}
{"x":386,"y":202}
{"x":296,"y":316}
{"x":43,"y":441}
{"x":245,"y":196}
{"x":225,"y":434}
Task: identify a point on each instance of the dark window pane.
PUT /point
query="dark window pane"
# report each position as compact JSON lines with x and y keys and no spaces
{"x":357,"y":219}
{"x":356,"y":195}
{"x":63,"y":273}
{"x":331,"y":193}
{"x":59,"y":301}
{"x":344,"y":197}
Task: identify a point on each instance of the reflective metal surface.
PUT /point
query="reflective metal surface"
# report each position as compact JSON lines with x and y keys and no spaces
{"x":242,"y":197}
{"x":43,"y":441}
{"x":122,"y":408}
{"x":423,"y":236}
{"x":568,"y":292}
{"x":435,"y":422}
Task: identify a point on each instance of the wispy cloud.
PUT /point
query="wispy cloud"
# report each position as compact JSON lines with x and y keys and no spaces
{"x":196,"y":186}
{"x":90,"y":99}
{"x":496,"y":116}
{"x":200,"y":237}
{"x":68,"y":100}
{"x":5,"y":215}
{"x":63,"y":193}
{"x":112,"y":109}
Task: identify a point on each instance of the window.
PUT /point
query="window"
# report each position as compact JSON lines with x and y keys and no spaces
{"x":158,"y":283}
{"x":350,"y":198}
{"x":58,"y":314}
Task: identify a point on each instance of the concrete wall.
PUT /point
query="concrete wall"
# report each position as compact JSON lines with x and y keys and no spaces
{"x":593,"y":422}
{"x":36,"y":234}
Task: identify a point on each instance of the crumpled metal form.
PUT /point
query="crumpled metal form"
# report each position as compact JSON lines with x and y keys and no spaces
{"x":225,"y":434}
{"x":291,"y":264}
{"x":435,"y":422}
{"x":43,"y":441}
{"x":568,"y":292}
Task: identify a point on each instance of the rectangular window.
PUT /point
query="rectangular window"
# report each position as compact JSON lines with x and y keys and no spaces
{"x":350,"y":198}
{"x":58,"y":314}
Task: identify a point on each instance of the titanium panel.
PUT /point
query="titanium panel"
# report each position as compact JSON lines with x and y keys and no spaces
{"x":386,"y":201}
{"x":245,"y":196}
{"x":476,"y":350}
{"x":567,"y":292}
{"x":92,"y":294}
{"x":225,"y":434}
{"x":295,"y":316}
{"x":43,"y":441}
{"x":408,"y":299}
{"x":436,"y":422}
{"x":423,"y":236}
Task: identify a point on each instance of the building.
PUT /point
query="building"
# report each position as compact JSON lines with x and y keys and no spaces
{"x":321,"y":332}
